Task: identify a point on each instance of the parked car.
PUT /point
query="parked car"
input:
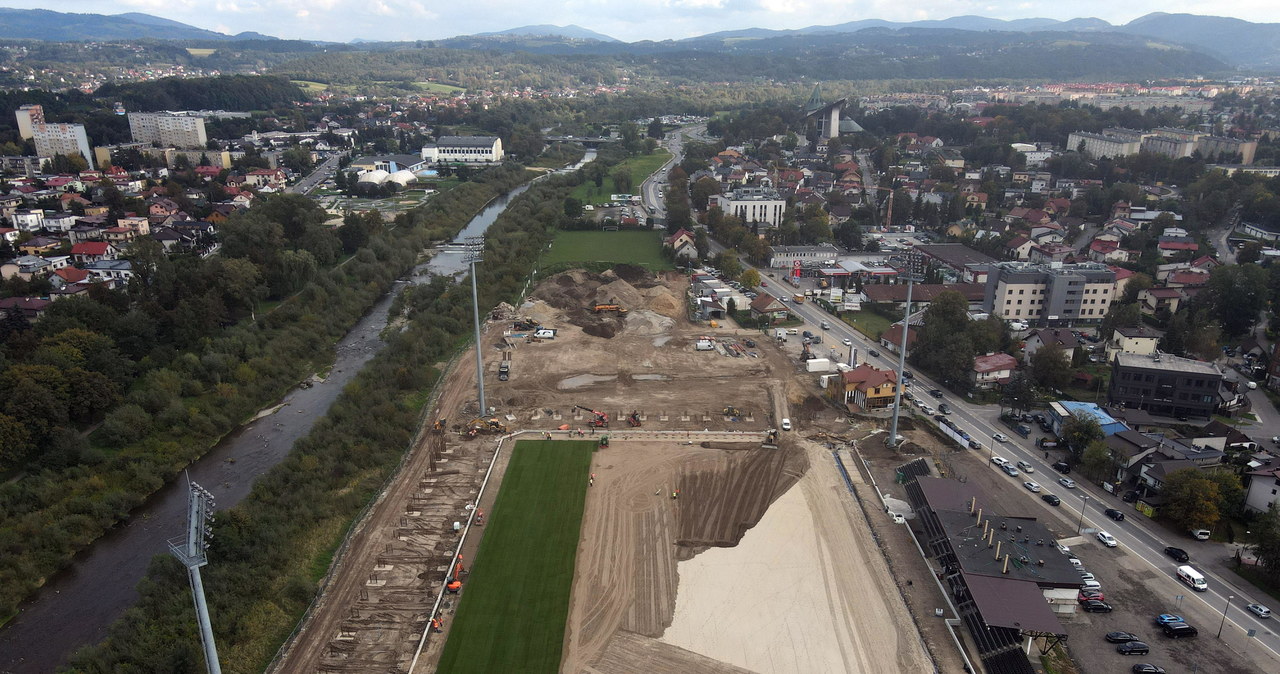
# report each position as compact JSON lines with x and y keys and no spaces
{"x":1085,"y":575}
{"x":1133,"y":648}
{"x":1179,"y":630}
{"x":1087,"y":595}
{"x":1000,"y":437}
{"x":1166,"y":618}
{"x":906,"y":374}
{"x":1009,"y":470}
{"x":786,"y":424}
{"x":1095,"y":606}
{"x":1200,"y":534}
{"x":1178,"y":554}
{"x":1114,"y":514}
{"x":1067,"y":482}
{"x":1025,"y":467}
{"x":1259,"y":610}
{"x":1122,"y":637}
{"x":974,"y":444}
{"x":849,"y":342}
{"x":1062,"y":467}
{"x":1147,"y":668}
{"x":1032,"y":486}
{"x":1051,"y":499}
{"x":1107,"y":539}
{"x":1130,"y":497}
{"x":999,"y":460}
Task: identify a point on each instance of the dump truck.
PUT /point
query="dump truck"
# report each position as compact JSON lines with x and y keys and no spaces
{"x":609,"y":307}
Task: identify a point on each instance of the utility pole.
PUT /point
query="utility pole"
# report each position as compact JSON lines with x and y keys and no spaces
{"x":475,"y":253}
{"x":192,"y":550}
{"x":902,"y":362}
{"x":1084,"y":504}
{"x":1224,"y":614}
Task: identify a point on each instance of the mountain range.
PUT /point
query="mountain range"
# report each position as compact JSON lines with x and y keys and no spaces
{"x":1235,"y":42}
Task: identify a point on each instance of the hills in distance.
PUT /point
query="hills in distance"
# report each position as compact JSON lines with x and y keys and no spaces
{"x":1215,"y":43}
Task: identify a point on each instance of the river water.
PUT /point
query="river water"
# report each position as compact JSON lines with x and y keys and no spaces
{"x":76,"y":607}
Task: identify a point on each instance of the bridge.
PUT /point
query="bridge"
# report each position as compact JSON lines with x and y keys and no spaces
{"x":584,"y":140}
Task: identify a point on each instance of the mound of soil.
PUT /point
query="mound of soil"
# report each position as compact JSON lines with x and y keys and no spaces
{"x":633,"y":274}
{"x":645,"y":322}
{"x":601,"y":329}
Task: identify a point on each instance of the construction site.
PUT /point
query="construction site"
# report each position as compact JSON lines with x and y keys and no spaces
{"x":765,"y":562}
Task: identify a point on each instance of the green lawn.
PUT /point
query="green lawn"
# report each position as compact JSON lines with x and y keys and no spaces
{"x":632,"y":247}
{"x":513,"y":610}
{"x":868,"y":323}
{"x":437,"y":88}
{"x":640,"y":168}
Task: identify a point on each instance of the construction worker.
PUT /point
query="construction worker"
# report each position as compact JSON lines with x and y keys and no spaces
{"x":454,"y":586}
{"x":436,"y":625}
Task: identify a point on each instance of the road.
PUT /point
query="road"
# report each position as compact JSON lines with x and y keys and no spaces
{"x":674,"y":143}
{"x":321,"y":173}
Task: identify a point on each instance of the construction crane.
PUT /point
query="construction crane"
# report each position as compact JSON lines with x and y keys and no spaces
{"x":601,"y":419}
{"x":634,"y":419}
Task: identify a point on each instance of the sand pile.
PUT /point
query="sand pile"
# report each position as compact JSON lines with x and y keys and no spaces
{"x":645,"y":322}
{"x":620,"y":292}
{"x":663,"y":301}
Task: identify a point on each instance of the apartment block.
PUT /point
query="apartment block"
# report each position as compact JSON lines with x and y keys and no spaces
{"x":168,"y":129}
{"x":64,"y":139}
{"x":1165,"y":385}
{"x":29,"y":117}
{"x":1050,"y":294}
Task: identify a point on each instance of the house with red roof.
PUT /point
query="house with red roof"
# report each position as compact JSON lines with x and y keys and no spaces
{"x":864,"y":388}
{"x":1018,"y":248}
{"x":93,"y":251}
{"x":1108,"y":251}
{"x":993,"y":369}
{"x":1152,"y":300}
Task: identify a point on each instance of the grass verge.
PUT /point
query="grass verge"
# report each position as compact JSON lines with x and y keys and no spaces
{"x":868,"y":323}
{"x":512,"y":614}
{"x":1260,"y":580}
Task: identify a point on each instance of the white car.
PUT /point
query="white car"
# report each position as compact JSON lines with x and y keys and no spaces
{"x":1259,"y":610}
{"x":1085,"y":576}
{"x":1000,"y":437}
{"x":1067,"y":482}
{"x":786,"y":424}
{"x":1025,"y":467}
{"x":1032,"y":486}
{"x":848,"y":342}
{"x":999,"y":461}
{"x":1107,"y":539}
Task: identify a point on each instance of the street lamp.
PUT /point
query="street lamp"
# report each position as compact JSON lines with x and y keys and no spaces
{"x":1084,"y":503}
{"x":1224,"y":614}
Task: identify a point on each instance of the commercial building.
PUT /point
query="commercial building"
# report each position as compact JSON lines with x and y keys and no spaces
{"x":1167,"y":141}
{"x":956,"y":261}
{"x":64,"y":139}
{"x":762,"y":205}
{"x":1051,"y":294}
{"x":168,"y":129}
{"x":785,"y":257}
{"x":464,"y":150}
{"x":1165,"y":385}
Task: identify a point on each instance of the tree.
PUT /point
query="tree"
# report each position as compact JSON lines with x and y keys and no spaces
{"x":1191,"y":499}
{"x":572,"y":207}
{"x":731,"y":307}
{"x":728,"y":263}
{"x":1019,"y":393}
{"x":1238,"y":293}
{"x":15,"y":442}
{"x":943,"y":346}
{"x":1050,"y":367}
{"x":1266,"y":539}
{"x":655,"y":129}
{"x":749,"y":278}
{"x":1252,"y":252}
{"x":1080,"y":431}
{"x":701,"y":244}
{"x":622,"y":179}
{"x":1097,"y":461}
{"x":702,"y":190}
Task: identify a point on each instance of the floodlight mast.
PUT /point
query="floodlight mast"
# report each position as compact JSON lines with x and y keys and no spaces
{"x":475,"y":253}
{"x":192,"y":551}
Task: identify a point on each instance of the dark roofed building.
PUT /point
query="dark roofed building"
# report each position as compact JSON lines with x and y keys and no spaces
{"x":966,"y":263}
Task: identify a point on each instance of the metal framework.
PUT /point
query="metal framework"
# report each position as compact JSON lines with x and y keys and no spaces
{"x":475,"y":253}
{"x":192,"y":550}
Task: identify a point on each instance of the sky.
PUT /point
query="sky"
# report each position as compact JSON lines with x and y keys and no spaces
{"x":628,"y":20}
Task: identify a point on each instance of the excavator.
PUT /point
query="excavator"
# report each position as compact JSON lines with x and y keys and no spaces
{"x":482,"y":425}
{"x":600,"y":420}
{"x":634,"y":419}
{"x":732,"y":411}
{"x":439,"y":425}
{"x":609,"y":307}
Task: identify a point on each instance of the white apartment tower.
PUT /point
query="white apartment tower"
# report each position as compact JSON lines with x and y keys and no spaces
{"x":168,"y":129}
{"x":29,"y":117}
{"x":65,"y":139}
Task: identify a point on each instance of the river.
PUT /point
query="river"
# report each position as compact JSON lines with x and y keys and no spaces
{"x":76,"y":606}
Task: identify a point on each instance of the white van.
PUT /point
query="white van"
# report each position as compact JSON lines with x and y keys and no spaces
{"x":1193,"y":578}
{"x":545,"y":333}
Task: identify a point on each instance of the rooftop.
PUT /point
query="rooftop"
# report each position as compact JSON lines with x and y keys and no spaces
{"x":1027,"y":544}
{"x":1164,"y":361}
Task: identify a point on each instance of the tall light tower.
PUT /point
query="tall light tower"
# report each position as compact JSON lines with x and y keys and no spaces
{"x":475,"y":253}
{"x":191,"y":550}
{"x":902,"y":361}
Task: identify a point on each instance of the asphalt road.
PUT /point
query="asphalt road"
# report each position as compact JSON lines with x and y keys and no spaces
{"x":317,"y":175}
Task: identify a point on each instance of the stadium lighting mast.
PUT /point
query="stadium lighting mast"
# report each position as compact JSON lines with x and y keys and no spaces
{"x":475,"y":253}
{"x":192,"y":551}
{"x":902,"y":362}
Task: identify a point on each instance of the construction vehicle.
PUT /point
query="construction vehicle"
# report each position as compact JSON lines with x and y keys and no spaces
{"x":604,"y":441}
{"x":609,"y":307}
{"x":732,"y":411}
{"x":525,"y":324}
{"x":600,"y":420}
{"x":481,"y":425}
{"x":634,"y":419}
{"x":439,"y":425}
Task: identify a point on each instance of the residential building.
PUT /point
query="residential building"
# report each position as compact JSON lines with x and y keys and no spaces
{"x":28,"y":221}
{"x":1151,"y":300}
{"x":767,"y":305}
{"x":1050,"y":294}
{"x":168,"y":129}
{"x":464,"y":150}
{"x":682,"y":245}
{"x":93,"y":251}
{"x":1139,"y":340}
{"x":64,"y":139}
{"x":22,"y":165}
{"x":29,"y":117}
{"x":864,"y":388}
{"x":1165,"y":385}
{"x":114,"y":273}
{"x":1263,"y":489}
{"x":31,"y":308}
{"x":1105,"y":144}
{"x":993,"y":369}
{"x":761,"y":204}
{"x":1065,"y":339}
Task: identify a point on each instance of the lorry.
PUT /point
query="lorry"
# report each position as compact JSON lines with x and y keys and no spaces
{"x":781,"y":335}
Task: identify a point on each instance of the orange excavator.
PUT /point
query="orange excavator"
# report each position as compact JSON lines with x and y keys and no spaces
{"x":600,"y":420}
{"x":609,"y":307}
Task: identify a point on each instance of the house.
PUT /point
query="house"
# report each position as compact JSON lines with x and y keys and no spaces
{"x":767,"y":305}
{"x":1263,"y":489}
{"x":25,"y":267}
{"x":68,"y":276}
{"x":28,"y":221}
{"x":275,"y":178}
{"x":1018,"y":248}
{"x":31,"y":308}
{"x":1064,"y":338}
{"x":891,"y":338}
{"x":1140,"y":340}
{"x":1101,"y":250}
{"x":82,"y":232}
{"x":864,"y":388}
{"x":1152,"y":300}
{"x":114,"y":273}
{"x":9,"y":234}
{"x":1051,"y":252}
{"x":682,"y":245}
{"x":40,"y":244}
{"x":993,"y":369}
{"x":93,"y":251}
{"x":117,"y":236}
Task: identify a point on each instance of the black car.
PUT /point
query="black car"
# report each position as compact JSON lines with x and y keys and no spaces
{"x":1179,"y":630}
{"x":1114,"y":514}
{"x":1095,"y":606}
{"x":1062,"y":467}
{"x":1178,"y":554}
{"x":1147,"y":668}
{"x":1051,"y":499}
{"x":1130,"y":497}
{"x":937,"y":393}
{"x":906,"y":374}
{"x":873,"y":353}
{"x":1133,"y":648}
{"x":939,"y":418}
{"x":1122,"y":637}
{"x":944,"y":408}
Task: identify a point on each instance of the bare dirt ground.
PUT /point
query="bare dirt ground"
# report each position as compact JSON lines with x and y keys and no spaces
{"x":631,"y":584}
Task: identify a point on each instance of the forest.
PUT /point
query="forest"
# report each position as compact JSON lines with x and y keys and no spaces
{"x":226,"y":92}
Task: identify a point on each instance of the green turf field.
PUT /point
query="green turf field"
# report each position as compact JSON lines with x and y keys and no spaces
{"x":632,"y":247}
{"x":640,"y":168}
{"x":512,"y":612}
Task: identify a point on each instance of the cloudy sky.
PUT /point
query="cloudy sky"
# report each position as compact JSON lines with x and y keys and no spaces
{"x":629,"y":20}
